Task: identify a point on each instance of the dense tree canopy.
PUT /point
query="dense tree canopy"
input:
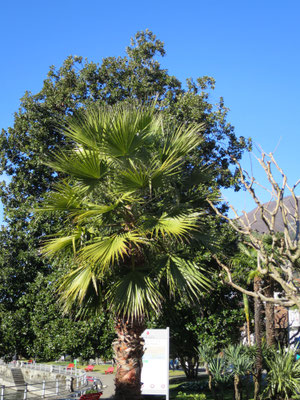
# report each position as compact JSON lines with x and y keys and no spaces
{"x":76,"y":84}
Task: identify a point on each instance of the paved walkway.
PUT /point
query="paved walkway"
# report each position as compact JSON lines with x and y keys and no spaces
{"x":107,"y":380}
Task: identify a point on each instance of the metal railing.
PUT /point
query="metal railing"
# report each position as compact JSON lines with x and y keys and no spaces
{"x":57,"y":369}
{"x":75,"y":381}
{"x":42,"y":390}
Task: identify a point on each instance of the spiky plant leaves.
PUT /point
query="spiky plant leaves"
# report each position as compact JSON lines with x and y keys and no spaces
{"x":239,"y":359}
{"x":123,"y":167}
{"x":134,"y":295}
{"x":219,"y":370}
{"x":283,"y":379}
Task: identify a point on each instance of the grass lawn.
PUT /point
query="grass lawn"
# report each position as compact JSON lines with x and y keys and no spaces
{"x":97,"y":368}
{"x":178,"y":382}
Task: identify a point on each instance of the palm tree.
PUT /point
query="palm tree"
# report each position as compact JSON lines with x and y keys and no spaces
{"x":125,"y":230}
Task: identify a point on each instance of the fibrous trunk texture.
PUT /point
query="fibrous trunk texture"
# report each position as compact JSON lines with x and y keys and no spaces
{"x":270,"y":315}
{"x":129,"y":350}
{"x":258,"y":307}
{"x":237,"y":393}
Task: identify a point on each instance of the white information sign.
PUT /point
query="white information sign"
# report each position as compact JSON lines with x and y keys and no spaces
{"x":294,"y":318}
{"x":155,"y":371}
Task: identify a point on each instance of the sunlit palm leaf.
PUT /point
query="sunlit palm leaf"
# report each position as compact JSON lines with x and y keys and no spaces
{"x":88,"y":167}
{"x":65,"y":198}
{"x":75,"y":286}
{"x":182,"y":141}
{"x":92,"y":210}
{"x":52,"y":246}
{"x":104,"y":252}
{"x":86,"y":128}
{"x":185,"y":276}
{"x":134,"y":295}
{"x":134,"y":178}
{"x":128,"y":129}
{"x":180,"y":226}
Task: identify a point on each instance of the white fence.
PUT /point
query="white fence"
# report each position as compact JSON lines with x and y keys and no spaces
{"x":75,"y":380}
{"x":56,"y":369}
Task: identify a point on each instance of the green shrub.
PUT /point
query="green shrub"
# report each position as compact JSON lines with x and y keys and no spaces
{"x":283,"y":378}
{"x":89,"y":391}
{"x":183,"y":396}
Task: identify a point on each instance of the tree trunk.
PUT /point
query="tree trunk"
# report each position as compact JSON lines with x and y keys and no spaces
{"x":247,"y":316}
{"x":269,"y":311}
{"x":189,"y":366}
{"x":237,"y":392}
{"x":258,"y":332}
{"x":128,"y":348}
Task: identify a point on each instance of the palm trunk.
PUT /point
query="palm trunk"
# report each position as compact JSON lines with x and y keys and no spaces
{"x":237,"y":393}
{"x":128,"y":348}
{"x":269,"y":310}
{"x":258,"y":331}
{"x":247,"y":316}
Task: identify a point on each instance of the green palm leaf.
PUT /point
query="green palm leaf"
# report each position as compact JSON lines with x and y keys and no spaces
{"x":88,"y":167}
{"x":184,"y":276}
{"x":76,"y":285}
{"x":66,"y":197}
{"x":187,"y":276}
{"x":128,"y":129}
{"x":107,"y":251}
{"x":134,"y":178}
{"x":181,"y":141}
{"x":134,"y":295}
{"x":53,"y":246}
{"x":86,"y":129}
{"x":178,"y":227}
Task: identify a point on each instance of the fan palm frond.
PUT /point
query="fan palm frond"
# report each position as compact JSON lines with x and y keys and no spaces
{"x":128,"y":129}
{"x":178,"y":227}
{"x":184,"y":276}
{"x":107,"y":251}
{"x":88,"y":167}
{"x":52,"y":246}
{"x":86,"y":128}
{"x":65,"y":197}
{"x":133,"y":295}
{"x":134,"y":178}
{"x":75,"y":286}
{"x":181,"y":141}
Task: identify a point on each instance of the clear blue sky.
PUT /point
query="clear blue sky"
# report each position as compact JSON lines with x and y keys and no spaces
{"x":251,"y":48}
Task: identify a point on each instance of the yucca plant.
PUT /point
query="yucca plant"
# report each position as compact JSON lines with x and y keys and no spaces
{"x":241,"y":364}
{"x":207,"y":354}
{"x":283,"y":378}
{"x":124,"y":222}
{"x":218,"y":369}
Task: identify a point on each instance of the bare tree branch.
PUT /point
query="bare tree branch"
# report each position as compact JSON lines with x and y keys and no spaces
{"x":280,"y":259}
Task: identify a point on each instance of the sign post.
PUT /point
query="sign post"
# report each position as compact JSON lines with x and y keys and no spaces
{"x":155,"y":371}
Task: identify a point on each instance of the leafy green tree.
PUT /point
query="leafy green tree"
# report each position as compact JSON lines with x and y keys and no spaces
{"x":76,"y":84}
{"x":213,"y":321}
{"x":55,"y":334}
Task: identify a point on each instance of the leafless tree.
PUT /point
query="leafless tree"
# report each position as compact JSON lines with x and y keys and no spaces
{"x":280,"y":259}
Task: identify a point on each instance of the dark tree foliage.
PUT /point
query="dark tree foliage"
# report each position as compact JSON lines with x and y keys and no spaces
{"x":214,"y":320}
{"x":35,"y":133}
